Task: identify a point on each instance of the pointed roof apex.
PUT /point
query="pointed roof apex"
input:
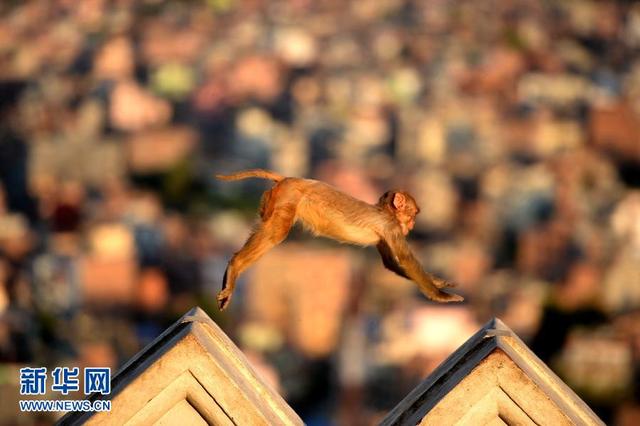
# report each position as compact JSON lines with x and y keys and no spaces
{"x":496,"y":323}
{"x":196,"y":314}
{"x":192,"y":372}
{"x":492,"y":373}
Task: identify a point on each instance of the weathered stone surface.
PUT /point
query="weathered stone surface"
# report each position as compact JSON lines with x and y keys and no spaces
{"x":493,"y":378}
{"x":191,"y":374}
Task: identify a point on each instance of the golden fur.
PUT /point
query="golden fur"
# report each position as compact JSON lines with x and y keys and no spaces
{"x":326,"y":211}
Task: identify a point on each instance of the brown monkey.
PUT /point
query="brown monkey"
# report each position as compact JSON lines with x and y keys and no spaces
{"x":327,"y":212}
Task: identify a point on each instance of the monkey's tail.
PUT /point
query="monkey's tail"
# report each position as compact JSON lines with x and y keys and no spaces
{"x":257,"y":173}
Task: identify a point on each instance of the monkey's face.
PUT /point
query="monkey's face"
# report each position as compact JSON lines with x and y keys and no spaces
{"x":407,"y":220}
{"x":405,"y":209}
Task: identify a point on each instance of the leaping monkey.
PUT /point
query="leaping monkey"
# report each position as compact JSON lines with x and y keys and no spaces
{"x":328,"y":212}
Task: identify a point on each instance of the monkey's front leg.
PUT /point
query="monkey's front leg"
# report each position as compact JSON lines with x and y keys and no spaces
{"x":397,"y":257}
{"x":391,"y":262}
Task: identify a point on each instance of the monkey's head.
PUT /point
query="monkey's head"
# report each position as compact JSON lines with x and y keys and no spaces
{"x":402,"y":206}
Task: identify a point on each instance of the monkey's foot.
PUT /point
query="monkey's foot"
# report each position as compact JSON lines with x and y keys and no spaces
{"x":224,"y":298}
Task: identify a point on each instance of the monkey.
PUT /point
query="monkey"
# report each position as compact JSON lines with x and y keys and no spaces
{"x":325,"y":211}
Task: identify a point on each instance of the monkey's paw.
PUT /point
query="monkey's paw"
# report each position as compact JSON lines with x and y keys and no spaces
{"x":440,"y":283}
{"x":448,"y":297}
{"x":455,"y":298}
{"x":224,"y":298}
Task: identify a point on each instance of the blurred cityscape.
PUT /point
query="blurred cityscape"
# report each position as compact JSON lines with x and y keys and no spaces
{"x":516,"y":124}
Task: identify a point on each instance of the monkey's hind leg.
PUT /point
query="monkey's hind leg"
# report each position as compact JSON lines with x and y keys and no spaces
{"x":268,"y":234}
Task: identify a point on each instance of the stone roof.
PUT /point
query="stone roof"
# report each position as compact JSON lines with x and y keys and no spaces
{"x":191,"y":374}
{"x":493,"y":378}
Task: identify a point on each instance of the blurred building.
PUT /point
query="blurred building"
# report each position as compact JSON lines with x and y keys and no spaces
{"x":515,"y":124}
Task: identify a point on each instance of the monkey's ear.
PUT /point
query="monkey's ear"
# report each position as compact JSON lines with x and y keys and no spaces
{"x":399,"y":200}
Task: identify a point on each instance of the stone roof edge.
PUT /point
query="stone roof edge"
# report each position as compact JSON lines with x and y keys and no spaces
{"x":141,"y":359}
{"x":240,"y":364}
{"x":197,"y":322}
{"x":444,"y":378}
{"x":493,"y":335}
{"x":552,"y":385}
